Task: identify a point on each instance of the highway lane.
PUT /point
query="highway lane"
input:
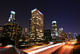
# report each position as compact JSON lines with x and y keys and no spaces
{"x":50,"y":50}
{"x":66,"y":49}
{"x":69,"y":48}
{"x":43,"y":49}
{"x":35,"y":48}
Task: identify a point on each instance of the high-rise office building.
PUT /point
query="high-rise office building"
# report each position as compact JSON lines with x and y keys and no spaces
{"x":62,"y":34}
{"x":24,"y":31}
{"x":47,"y":35}
{"x":1,"y":29}
{"x":12,"y":30}
{"x":54,"y":32}
{"x":75,"y":35}
{"x":25,"y":34}
{"x":36,"y":26}
{"x":70,"y":36}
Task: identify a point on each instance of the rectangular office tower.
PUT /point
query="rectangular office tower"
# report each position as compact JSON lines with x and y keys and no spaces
{"x":36,"y":26}
{"x":54,"y":32}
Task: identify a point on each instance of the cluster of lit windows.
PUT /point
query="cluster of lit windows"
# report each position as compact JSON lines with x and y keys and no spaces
{"x":36,"y":26}
{"x":11,"y":30}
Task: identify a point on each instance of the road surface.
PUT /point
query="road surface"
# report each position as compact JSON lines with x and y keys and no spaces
{"x":48,"y":49}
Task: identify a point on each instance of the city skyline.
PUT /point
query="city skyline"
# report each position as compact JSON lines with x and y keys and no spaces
{"x":39,"y":27}
{"x":66,"y":13}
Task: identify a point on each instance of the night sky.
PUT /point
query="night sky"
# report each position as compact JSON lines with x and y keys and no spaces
{"x":65,"y":12}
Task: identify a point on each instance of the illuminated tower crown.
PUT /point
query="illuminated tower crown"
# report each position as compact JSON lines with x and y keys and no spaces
{"x":12,"y":17}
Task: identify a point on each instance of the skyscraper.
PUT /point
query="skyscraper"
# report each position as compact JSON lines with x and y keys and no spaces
{"x":1,"y":29}
{"x":70,"y":36}
{"x":62,"y":34}
{"x":47,"y":34}
{"x":25,"y":34}
{"x":12,"y":30}
{"x":36,"y":26}
{"x":24,"y":31}
{"x":75,"y":35}
{"x":54,"y":32}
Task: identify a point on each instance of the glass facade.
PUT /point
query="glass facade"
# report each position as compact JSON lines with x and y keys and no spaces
{"x":36,"y":26}
{"x":54,"y":31}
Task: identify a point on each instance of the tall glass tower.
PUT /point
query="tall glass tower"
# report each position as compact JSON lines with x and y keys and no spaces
{"x":54,"y":31}
{"x":12,"y":30}
{"x":36,"y":26}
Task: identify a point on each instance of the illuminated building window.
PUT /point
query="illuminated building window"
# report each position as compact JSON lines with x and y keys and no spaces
{"x":36,"y":25}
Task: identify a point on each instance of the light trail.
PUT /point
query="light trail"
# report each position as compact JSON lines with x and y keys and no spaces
{"x":42,"y":49}
{"x":32,"y":49}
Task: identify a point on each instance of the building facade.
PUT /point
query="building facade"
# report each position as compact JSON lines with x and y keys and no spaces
{"x":54,"y":32}
{"x":75,"y":35}
{"x":62,"y":34}
{"x":70,"y":36}
{"x":47,"y":34}
{"x":25,"y":34}
{"x":1,"y":29}
{"x":36,"y":26}
{"x":12,"y":30}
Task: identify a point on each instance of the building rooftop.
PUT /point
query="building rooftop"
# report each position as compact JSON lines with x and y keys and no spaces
{"x":36,"y":10}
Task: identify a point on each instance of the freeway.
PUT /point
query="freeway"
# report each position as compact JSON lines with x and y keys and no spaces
{"x":43,"y":49}
{"x":71,"y":47}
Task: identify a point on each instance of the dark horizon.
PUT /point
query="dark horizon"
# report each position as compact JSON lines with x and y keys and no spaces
{"x":66,"y":13}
